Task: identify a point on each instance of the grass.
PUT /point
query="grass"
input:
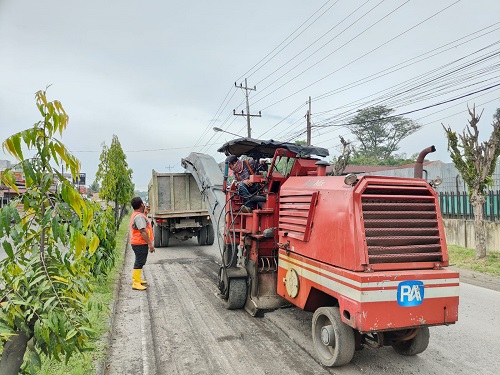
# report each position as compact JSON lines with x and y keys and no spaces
{"x":465,"y":258}
{"x":87,"y":363}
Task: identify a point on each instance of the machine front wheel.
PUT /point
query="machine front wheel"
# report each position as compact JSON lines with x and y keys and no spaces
{"x":157,"y":235}
{"x":333,"y":339}
{"x":415,"y":345}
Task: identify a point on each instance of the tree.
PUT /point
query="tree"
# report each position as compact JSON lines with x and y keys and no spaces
{"x":379,"y":133}
{"x":93,"y":188}
{"x":342,"y":161}
{"x":476,"y":163}
{"x":115,"y":177}
{"x":45,"y":288}
{"x":394,"y":160}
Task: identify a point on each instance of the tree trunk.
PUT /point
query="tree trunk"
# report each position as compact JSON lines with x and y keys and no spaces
{"x":477,"y":200}
{"x":123,"y":211}
{"x":117,"y":210}
{"x":13,"y":354}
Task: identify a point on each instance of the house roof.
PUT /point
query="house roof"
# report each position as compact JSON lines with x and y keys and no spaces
{"x":378,"y":168}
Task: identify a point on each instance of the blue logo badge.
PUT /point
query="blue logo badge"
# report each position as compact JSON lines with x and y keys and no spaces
{"x":410,"y":293}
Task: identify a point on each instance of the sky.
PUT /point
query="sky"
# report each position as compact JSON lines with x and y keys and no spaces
{"x":161,"y":74}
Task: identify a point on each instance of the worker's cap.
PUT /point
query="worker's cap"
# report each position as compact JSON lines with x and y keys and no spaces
{"x":231,"y":159}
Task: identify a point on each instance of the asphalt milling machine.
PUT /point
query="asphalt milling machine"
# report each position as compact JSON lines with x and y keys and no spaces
{"x":366,"y":254}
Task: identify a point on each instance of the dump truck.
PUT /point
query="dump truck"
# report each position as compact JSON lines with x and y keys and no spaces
{"x":177,"y":209}
{"x":366,"y":254}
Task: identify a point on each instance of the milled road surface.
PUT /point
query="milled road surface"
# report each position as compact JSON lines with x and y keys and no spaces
{"x":179,"y":326}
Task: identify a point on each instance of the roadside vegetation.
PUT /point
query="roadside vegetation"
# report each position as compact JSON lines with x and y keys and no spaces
{"x":61,"y":256}
{"x":466,"y":258}
{"x":103,"y":293}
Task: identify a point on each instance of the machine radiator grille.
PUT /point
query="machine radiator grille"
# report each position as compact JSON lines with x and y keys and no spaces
{"x":296,"y":213}
{"x":400,"y":224}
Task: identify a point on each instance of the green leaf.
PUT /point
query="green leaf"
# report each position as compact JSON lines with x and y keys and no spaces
{"x":71,"y":334}
{"x":55,"y":227}
{"x":8,"y":249}
{"x":80,"y":244}
{"x":94,"y":243}
{"x":16,"y":140}
{"x":9,"y":179}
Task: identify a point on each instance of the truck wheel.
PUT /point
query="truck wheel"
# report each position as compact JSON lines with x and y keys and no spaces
{"x":202,"y":236}
{"x":415,"y":345}
{"x":165,"y":236}
{"x":333,"y":339}
{"x":210,"y":235}
{"x":237,"y":294}
{"x":157,"y":234}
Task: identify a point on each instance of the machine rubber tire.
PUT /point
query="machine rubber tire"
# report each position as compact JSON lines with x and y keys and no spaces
{"x":157,"y":235}
{"x":165,"y":236}
{"x":210,"y":235}
{"x":414,"y":346}
{"x":340,"y":347}
{"x":237,"y":294}
{"x":202,"y":236}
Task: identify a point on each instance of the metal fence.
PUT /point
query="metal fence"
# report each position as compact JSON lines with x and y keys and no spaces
{"x":453,"y":198}
{"x":457,"y":206}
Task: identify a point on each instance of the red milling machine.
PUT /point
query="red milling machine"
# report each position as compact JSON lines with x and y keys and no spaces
{"x":366,"y":254}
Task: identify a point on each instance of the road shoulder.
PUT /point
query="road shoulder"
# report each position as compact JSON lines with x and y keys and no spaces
{"x":478,"y":278}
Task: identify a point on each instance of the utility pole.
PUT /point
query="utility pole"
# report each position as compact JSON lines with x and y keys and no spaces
{"x":308,"y":128}
{"x":248,"y":115}
{"x":169,"y":167}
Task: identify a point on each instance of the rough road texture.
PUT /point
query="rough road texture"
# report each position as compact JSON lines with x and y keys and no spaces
{"x":179,"y":326}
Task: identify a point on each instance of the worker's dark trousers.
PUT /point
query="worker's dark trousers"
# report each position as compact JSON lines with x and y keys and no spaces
{"x":246,"y":193}
{"x":141,"y":255}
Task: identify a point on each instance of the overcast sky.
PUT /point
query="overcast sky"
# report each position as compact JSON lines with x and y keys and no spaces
{"x":160,"y":73}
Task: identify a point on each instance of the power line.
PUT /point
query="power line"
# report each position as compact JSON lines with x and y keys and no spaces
{"x":472,"y":36}
{"x":415,"y":110}
{"x":405,"y":85}
{"x":352,"y":61}
{"x":247,"y":73}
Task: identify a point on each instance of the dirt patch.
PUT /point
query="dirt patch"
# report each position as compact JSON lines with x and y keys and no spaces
{"x":478,"y":278}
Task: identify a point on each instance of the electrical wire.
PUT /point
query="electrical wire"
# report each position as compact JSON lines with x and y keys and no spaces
{"x":355,"y":60}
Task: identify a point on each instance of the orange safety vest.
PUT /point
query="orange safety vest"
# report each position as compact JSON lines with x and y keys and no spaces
{"x":135,"y":234}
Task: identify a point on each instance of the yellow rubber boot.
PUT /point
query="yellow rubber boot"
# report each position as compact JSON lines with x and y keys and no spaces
{"x":141,"y":280}
{"x":136,"y":280}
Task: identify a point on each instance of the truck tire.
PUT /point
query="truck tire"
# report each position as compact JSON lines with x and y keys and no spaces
{"x":202,"y":236}
{"x":165,"y":236}
{"x":237,"y":294}
{"x":415,"y":345}
{"x":210,"y":235}
{"x":333,"y":340}
{"x":157,"y":236}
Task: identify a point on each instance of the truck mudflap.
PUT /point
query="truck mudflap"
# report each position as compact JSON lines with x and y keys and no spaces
{"x":368,"y":302}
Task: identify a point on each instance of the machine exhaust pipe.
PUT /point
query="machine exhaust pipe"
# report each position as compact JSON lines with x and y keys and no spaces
{"x":321,"y":170}
{"x":419,"y":164}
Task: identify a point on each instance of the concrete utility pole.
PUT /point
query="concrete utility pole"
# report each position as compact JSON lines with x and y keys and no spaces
{"x":248,"y":115}
{"x":308,"y":128}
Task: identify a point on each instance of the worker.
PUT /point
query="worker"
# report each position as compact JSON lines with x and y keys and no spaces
{"x":141,"y":240}
{"x":242,"y":171}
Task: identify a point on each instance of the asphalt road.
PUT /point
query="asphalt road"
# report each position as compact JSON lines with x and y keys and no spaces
{"x":179,"y":326}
